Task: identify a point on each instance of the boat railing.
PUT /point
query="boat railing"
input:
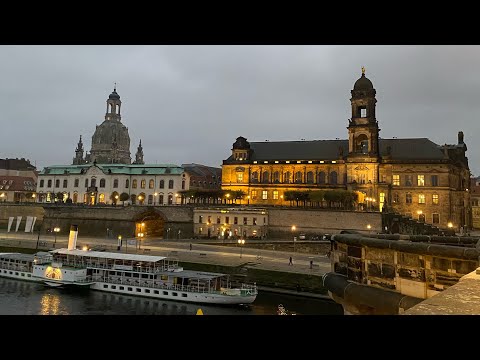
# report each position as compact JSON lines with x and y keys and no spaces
{"x":141,"y":269}
{"x":14,"y":267}
{"x":251,"y":289}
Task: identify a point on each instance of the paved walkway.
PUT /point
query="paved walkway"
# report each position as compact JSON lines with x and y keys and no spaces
{"x":200,"y":253}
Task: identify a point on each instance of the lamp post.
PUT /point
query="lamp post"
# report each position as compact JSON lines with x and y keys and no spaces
{"x":168,"y":232}
{"x":241,"y":242}
{"x":116,"y":199}
{"x":369,"y":227}
{"x":56,"y":230}
{"x":227,"y":197}
{"x":119,"y":244}
{"x":294,"y":238}
{"x":248,"y":200}
{"x":140,"y":235}
{"x":140,"y":198}
{"x":155,"y":198}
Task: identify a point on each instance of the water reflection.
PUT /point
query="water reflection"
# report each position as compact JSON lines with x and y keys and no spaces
{"x":29,"y":298}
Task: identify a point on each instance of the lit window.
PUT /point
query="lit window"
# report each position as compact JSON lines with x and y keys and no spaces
{"x":396,"y":180}
{"x":142,"y":184}
{"x":275,"y":194}
{"x":254,"y":194}
{"x":435,"y":199}
{"x":151,"y":184}
{"x":421,"y":180}
{"x":264,"y":194}
{"x":239,"y":177}
{"x":421,"y":198}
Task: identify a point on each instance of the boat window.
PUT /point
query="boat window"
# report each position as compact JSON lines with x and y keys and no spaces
{"x":114,"y":287}
{"x":144,"y":276}
{"x":165,"y":293}
{"x":105,"y":286}
{"x":139,"y":290}
{"x":147,"y":291}
{"x":122,"y":288}
{"x":156,"y":292}
{"x":164,"y":277}
{"x":174,"y":294}
{"x":184,"y":295}
{"x":29,"y":275}
{"x":130,"y":289}
{"x":23,"y":274}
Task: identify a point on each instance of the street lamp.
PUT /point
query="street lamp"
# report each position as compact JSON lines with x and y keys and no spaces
{"x":450,"y":225}
{"x":119,"y":244}
{"x":241,"y":242}
{"x":140,"y":197}
{"x":116,"y":199}
{"x":227,"y":196}
{"x":140,"y":235}
{"x":154,"y":198}
{"x":248,"y":200}
{"x":2,"y":196}
{"x":56,"y":230}
{"x":294,"y":238}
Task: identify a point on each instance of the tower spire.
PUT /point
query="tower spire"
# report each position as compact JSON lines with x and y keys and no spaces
{"x":139,"y":154}
{"x":115,"y":86}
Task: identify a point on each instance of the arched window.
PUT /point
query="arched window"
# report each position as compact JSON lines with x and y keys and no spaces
{"x":41,"y":183}
{"x":265,"y":177}
{"x":134,"y":183}
{"x":101,"y":197}
{"x":143,"y":183}
{"x":150,"y":199}
{"x":162,"y":184}
{"x":287,"y":179}
{"x":298,"y":177}
{"x":127,"y":183}
{"x":276,"y":177}
{"x":57,"y":183}
{"x":170,"y":199}
{"x":93,"y":182}
{"x":115,"y":183}
{"x":75,"y":198}
{"x":151,"y":184}
{"x":183,"y":184}
{"x":49,"y":183}
{"x":361,"y":144}
{"x":321,"y":177}
{"x":254,"y":177}
{"x":65,"y":183}
{"x":102,"y":183}
{"x":170,"y":184}
{"x":309,"y":177}
{"x":333,"y":178}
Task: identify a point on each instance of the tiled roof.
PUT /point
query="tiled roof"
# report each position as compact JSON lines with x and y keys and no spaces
{"x":125,"y":169}
{"x":17,"y":183}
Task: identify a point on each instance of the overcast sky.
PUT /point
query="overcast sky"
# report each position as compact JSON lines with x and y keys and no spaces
{"x":188,"y":104}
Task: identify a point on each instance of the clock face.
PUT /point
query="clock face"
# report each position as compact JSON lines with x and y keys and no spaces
{"x":53,"y":273}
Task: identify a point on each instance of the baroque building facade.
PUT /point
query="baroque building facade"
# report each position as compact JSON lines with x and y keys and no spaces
{"x":93,"y":184}
{"x":412,"y":176}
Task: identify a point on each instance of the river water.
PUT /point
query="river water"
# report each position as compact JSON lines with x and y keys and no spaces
{"x":27,"y":298}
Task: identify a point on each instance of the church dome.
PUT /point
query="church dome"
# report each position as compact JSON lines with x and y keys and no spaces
{"x":363,"y":84}
{"x":110,"y":137}
{"x":114,"y":96}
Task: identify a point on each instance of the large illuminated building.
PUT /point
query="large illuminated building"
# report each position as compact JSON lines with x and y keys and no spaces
{"x":411,"y":176}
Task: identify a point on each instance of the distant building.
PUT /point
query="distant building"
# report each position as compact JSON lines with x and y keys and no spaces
{"x":227,"y":223}
{"x":110,"y":141}
{"x":412,"y":176}
{"x":203,"y":177}
{"x":475,"y":201}
{"x":93,"y":184}
{"x":18,"y":180}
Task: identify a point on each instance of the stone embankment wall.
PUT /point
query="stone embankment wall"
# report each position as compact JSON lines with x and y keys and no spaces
{"x":23,"y":210}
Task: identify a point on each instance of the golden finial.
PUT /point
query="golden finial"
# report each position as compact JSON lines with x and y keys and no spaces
{"x":363,"y":70}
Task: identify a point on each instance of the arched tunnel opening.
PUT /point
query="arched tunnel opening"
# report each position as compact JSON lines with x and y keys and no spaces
{"x":149,"y":226}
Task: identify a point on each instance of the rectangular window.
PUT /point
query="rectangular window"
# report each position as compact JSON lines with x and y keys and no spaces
{"x":254,"y":194}
{"x":134,"y":184}
{"x":75,"y":184}
{"x":275,"y":194}
{"x":244,"y":221}
{"x":200,"y":219}
{"x":384,"y":178}
{"x":218,"y":219}
{"x":49,"y":183}
{"x":227,"y":219}
{"x":396,"y":180}
{"x":408,"y":198}
{"x":408,"y":180}
{"x":160,"y":199}
{"x":209,"y":220}
{"x":421,"y":180}
{"x":264,"y":194}
{"x":435,"y":199}
{"x":235,"y":220}
{"x":41,"y":183}
{"x":436,"y":218}
{"x":254,"y":221}
{"x":421,"y":198}
{"x":396,"y":198}
{"x":434,"y":180}
{"x":57,"y":183}
{"x":363,"y":112}
{"x":239,"y":177}
{"x":142,"y":184}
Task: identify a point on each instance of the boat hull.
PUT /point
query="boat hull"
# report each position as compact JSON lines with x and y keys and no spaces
{"x":175,"y":295}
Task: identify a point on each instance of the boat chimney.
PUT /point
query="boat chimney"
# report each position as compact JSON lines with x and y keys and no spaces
{"x":72,"y":238}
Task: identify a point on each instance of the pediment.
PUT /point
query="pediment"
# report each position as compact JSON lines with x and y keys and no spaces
{"x":94,"y":170}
